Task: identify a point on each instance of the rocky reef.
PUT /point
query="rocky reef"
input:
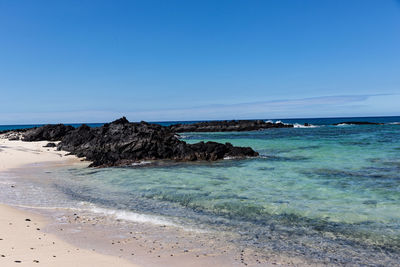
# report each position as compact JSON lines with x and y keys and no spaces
{"x":122,"y":143}
{"x":227,"y":126}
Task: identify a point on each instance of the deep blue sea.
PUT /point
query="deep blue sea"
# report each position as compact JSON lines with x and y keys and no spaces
{"x":331,"y":193}
{"x":314,"y":121}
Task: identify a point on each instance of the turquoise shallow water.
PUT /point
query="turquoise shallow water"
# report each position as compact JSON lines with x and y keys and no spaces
{"x":331,"y":193}
{"x":326,"y":192}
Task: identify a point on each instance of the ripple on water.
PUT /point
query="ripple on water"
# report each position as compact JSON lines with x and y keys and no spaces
{"x":329,"y":194}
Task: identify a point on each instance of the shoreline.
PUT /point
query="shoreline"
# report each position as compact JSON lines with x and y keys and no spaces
{"x":257,"y":212}
{"x":94,"y":239}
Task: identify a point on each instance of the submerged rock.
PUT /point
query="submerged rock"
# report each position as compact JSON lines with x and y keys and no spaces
{"x":227,"y":126}
{"x":122,"y":143}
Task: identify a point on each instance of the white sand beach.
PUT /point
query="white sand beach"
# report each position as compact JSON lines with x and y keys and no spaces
{"x":21,"y":240}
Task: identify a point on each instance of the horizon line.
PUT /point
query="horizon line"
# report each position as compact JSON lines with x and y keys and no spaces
{"x":162,"y":121}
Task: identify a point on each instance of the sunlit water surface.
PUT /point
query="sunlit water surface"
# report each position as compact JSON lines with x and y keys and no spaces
{"x":330,"y":193}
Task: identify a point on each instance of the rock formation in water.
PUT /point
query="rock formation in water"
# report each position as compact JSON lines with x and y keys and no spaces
{"x":227,"y":126}
{"x":122,"y":143}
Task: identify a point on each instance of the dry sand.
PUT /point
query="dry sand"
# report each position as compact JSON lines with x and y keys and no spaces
{"x":21,"y":240}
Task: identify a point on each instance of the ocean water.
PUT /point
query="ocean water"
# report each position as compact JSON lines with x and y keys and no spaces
{"x":25,"y":126}
{"x":326,"y":193}
{"x":314,"y":121}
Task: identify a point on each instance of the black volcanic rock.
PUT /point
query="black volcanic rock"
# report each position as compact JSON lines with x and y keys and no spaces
{"x":12,"y":135}
{"x":50,"y":145}
{"x":227,"y":126}
{"x":49,"y":132}
{"x":122,"y":120}
{"x":122,"y":143}
{"x":14,"y":131}
{"x":359,"y":123}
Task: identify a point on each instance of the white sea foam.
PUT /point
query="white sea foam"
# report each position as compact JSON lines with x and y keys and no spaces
{"x":297,"y":125}
{"x":281,"y":122}
{"x":130,"y":216}
{"x":140,"y":163}
{"x":117,"y":214}
{"x":394,"y":123}
{"x":344,"y":124}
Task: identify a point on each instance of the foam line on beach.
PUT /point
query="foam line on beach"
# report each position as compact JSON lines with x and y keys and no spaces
{"x":118,"y":214}
{"x":139,"y":218}
{"x":130,"y":216}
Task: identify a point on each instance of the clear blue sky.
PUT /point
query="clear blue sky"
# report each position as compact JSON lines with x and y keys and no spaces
{"x":93,"y":61}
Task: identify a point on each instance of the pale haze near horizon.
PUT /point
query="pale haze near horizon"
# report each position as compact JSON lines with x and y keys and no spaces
{"x":94,"y":61}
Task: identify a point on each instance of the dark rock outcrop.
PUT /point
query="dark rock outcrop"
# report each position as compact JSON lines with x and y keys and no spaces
{"x":122,"y":143}
{"x":227,"y":126}
{"x":50,"y":132}
{"x":12,"y":135}
{"x":14,"y":131}
{"x":359,"y":123}
{"x":50,"y":145}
